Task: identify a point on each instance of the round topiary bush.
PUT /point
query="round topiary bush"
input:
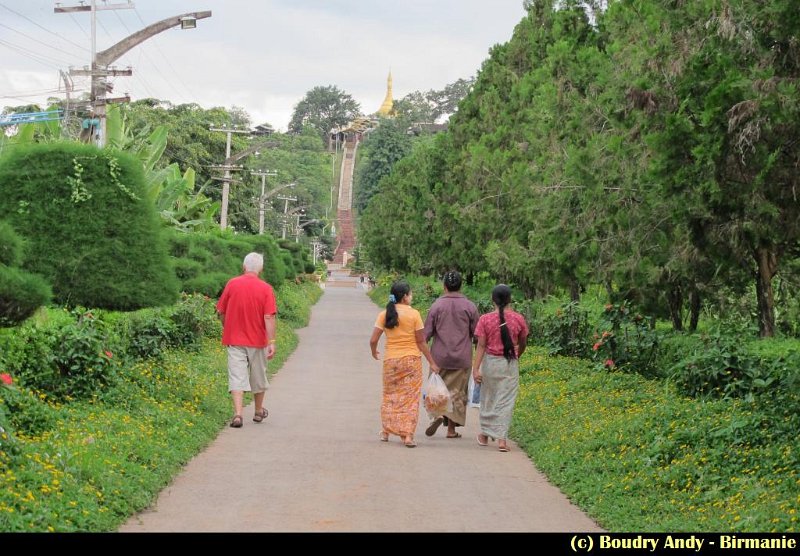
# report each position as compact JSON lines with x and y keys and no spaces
{"x":21,"y":294}
{"x":91,"y":230}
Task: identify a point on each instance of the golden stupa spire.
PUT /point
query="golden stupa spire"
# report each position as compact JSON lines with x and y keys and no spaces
{"x":388,"y":103}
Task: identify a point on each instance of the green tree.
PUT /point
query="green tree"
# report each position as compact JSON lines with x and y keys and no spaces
{"x":383,"y":147}
{"x":324,"y":108}
{"x":729,"y":127}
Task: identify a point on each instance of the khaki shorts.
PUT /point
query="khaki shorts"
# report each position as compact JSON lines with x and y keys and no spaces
{"x":247,"y":369}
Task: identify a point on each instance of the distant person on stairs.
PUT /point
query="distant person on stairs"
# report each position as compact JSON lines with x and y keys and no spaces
{"x":402,"y":364}
{"x":247,"y":309}
{"x":451,"y":324}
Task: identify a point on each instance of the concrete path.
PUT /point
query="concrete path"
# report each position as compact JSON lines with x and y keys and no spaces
{"x":316,"y":463}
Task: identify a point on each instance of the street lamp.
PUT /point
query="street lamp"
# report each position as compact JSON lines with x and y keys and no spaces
{"x":188,"y":22}
{"x":99,"y":72}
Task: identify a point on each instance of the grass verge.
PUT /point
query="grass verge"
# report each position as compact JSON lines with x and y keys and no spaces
{"x":638,"y":456}
{"x":96,"y":462}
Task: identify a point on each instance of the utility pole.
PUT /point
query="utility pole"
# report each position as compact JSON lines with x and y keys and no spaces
{"x":100,"y":71}
{"x":227,"y":166}
{"x":316,"y":247}
{"x":285,"y":212}
{"x":263,"y":198}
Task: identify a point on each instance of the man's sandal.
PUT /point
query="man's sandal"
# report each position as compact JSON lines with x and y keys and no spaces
{"x":236,"y":422}
{"x":260,"y":416}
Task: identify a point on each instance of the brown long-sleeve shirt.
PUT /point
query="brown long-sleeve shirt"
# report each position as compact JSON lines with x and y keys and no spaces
{"x":451,"y":323}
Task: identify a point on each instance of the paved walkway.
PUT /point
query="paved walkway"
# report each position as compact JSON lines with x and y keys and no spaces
{"x":316,"y":463}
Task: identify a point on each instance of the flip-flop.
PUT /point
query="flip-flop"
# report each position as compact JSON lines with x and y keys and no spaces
{"x":483,"y":443}
{"x":384,"y":436}
{"x":455,"y":435}
{"x":503,"y":449}
{"x":434,"y":426}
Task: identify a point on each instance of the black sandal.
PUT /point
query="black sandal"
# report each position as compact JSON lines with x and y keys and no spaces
{"x":236,"y":422}
{"x":258,"y":417}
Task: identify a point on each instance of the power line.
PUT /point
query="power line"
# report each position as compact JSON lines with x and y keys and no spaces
{"x":37,"y":93}
{"x":61,"y":50}
{"x":100,"y":23}
{"x":36,"y":57}
{"x":43,"y":28}
{"x":78,"y":23}
{"x":39,"y":54}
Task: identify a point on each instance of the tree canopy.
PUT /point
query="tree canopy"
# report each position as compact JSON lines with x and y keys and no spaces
{"x":324,"y":108}
{"x":650,"y":147}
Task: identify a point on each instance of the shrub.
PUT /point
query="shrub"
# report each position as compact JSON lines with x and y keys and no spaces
{"x":205,"y":262}
{"x":88,"y":211}
{"x":187,"y":269}
{"x":566,"y":330}
{"x":24,"y":412}
{"x":210,"y":284}
{"x":195,"y":318}
{"x":21,"y":294}
{"x":722,"y":365}
{"x":288,"y":263}
{"x":625,"y":341}
{"x":10,"y":246}
{"x":82,"y":358}
{"x":149,"y":333}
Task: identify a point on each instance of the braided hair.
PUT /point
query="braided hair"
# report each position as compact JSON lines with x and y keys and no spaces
{"x":501,"y":295}
{"x":399,"y":290}
{"x":452,"y":280}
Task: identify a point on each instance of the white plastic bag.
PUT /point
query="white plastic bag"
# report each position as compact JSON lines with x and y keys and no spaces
{"x":474,"y":393}
{"x":437,"y":397}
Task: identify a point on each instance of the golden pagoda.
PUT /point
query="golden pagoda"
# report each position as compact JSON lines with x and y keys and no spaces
{"x":388,"y":103}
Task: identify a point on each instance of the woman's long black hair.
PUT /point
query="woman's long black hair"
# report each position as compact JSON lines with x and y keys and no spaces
{"x":501,"y":295}
{"x":399,"y":291}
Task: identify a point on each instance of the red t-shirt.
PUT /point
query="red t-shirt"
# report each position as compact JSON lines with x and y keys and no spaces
{"x":245,"y":301}
{"x":489,"y":328}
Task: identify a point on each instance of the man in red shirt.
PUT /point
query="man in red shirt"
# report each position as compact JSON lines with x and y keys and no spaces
{"x":247,"y":310}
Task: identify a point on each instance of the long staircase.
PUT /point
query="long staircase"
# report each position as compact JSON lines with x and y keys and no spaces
{"x":346,"y":238}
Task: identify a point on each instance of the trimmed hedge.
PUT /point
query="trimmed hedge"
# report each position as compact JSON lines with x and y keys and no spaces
{"x":10,"y":245}
{"x":21,"y":293}
{"x":205,"y":262}
{"x":92,"y":232}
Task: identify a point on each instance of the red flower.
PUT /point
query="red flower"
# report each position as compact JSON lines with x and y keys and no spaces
{"x":5,"y":378}
{"x":109,"y":354}
{"x":596,"y":346}
{"x":609,"y":363}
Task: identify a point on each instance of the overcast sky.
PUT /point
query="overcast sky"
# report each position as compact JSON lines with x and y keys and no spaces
{"x":261,"y":55}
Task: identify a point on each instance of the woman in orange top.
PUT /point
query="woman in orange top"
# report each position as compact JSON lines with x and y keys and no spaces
{"x":402,"y":364}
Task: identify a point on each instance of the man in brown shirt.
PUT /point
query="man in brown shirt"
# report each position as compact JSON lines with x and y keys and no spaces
{"x":451,"y":324}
